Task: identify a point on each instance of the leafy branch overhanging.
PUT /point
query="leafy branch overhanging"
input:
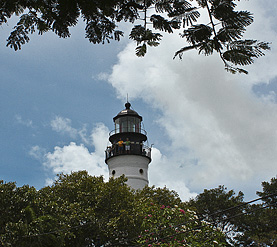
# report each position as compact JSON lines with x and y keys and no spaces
{"x":223,"y":34}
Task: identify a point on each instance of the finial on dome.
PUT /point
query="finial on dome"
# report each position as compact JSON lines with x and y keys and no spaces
{"x":127,"y":105}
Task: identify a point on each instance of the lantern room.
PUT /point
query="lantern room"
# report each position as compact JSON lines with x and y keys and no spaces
{"x":127,"y":126}
{"x":127,"y":120}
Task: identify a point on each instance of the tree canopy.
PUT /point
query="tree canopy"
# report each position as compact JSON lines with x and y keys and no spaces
{"x":244,"y":223}
{"x":81,"y":210}
{"x":150,"y":18}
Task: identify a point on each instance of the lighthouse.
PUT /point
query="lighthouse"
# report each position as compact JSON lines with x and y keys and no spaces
{"x":127,"y":153}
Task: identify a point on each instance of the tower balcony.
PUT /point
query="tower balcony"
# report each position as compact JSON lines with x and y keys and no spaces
{"x":135,"y":149}
{"x":134,"y":135}
{"x":129,"y":130}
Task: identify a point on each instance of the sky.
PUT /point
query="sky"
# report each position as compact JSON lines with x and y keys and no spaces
{"x":209,"y":127}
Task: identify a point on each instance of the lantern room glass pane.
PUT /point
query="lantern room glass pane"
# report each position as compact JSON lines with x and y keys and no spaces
{"x":137,"y":125}
{"x":131,"y":124}
{"x":127,"y":124}
{"x":124,"y":125}
{"x":117,"y":126}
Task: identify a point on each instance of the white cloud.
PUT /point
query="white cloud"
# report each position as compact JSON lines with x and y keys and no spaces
{"x":161,"y":172}
{"x":49,"y":182}
{"x":63,"y":125}
{"x":25,"y":122}
{"x":99,"y":136}
{"x":219,"y":132}
{"x":37,"y":152}
{"x":75,"y":157}
{"x":102,"y":76}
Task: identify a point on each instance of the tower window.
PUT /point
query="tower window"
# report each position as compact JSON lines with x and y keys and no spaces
{"x":113,"y":172}
{"x":141,"y":171}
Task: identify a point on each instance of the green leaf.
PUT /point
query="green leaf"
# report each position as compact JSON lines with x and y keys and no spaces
{"x":141,"y":50}
{"x":229,"y":33}
{"x":118,"y":34}
{"x":238,"y":19}
{"x":190,"y":16}
{"x":162,"y":6}
{"x":137,"y":34}
{"x":208,"y":47}
{"x":243,"y":52}
{"x":161,"y":23}
{"x":128,"y":11}
{"x":100,"y":30}
{"x":145,"y":36}
{"x":198,"y":33}
{"x":222,"y":9}
{"x":238,"y":57}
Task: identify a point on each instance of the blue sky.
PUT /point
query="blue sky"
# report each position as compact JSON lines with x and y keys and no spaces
{"x":58,"y":98}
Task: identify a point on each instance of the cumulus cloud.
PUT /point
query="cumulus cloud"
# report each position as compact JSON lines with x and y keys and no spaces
{"x":162,"y":173}
{"x":75,"y":157}
{"x":219,"y":131}
{"x":63,"y":125}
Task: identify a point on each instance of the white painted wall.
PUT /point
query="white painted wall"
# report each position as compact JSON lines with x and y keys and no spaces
{"x":130,"y":166}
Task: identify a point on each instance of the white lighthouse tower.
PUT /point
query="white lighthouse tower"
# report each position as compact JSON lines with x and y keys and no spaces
{"x":132,"y":163}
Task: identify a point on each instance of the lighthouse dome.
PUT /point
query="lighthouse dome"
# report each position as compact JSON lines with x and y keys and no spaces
{"x":127,"y":112}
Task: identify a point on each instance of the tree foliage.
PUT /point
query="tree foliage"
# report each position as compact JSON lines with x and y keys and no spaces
{"x":77,"y":210}
{"x":244,"y":224}
{"x":177,"y":226}
{"x":260,"y":225}
{"x":222,"y":34}
{"x":80,"y":210}
{"x":212,"y":205}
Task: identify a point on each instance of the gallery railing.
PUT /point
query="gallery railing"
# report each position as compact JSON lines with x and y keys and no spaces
{"x":128,"y":129}
{"x":137,"y":149}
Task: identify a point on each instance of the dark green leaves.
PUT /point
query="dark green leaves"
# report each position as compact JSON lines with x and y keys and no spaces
{"x":222,"y":34}
{"x":190,"y":16}
{"x":128,"y":11}
{"x":99,"y":30}
{"x":161,"y":23}
{"x":60,"y":15}
{"x":77,"y":210}
{"x":141,"y":50}
{"x":81,"y":210}
{"x":145,"y":36}
{"x":163,"y":6}
{"x":243,"y":52}
{"x":259,"y":226}
{"x":198,"y":33}
{"x":25,"y":25}
{"x":244,"y":224}
{"x":222,"y":9}
{"x":184,"y":12}
{"x":269,"y":193}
